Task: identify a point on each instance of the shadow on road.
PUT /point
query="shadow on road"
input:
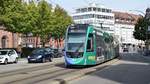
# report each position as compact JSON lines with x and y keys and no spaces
{"x":125,"y":74}
{"x":134,"y":57}
{"x":132,"y":69}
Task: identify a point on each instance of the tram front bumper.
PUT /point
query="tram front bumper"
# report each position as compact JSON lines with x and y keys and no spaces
{"x":75,"y":61}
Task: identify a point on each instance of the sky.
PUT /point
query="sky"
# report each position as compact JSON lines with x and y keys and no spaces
{"x":117,"y":5}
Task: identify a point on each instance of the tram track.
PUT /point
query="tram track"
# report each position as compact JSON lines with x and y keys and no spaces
{"x":65,"y":79}
{"x":29,"y":69}
{"x":42,"y":77}
{"x":30,"y":77}
{"x":45,"y":75}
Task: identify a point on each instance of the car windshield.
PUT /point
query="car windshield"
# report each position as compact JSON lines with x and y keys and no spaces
{"x":38,"y":51}
{"x":3,"y":52}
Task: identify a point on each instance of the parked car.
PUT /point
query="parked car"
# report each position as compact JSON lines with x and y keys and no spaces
{"x":55,"y":52}
{"x":51,"y":51}
{"x":58,"y":52}
{"x":40,"y":55}
{"x":8,"y":56}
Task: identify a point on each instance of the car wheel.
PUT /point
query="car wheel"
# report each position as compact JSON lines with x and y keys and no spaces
{"x":43,"y":60}
{"x":6,"y":61}
{"x":16,"y":60}
{"x":29,"y":62}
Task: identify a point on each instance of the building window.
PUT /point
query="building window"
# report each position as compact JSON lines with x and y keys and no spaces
{"x":94,"y":9}
{"x":103,"y":10}
{"x":84,"y":10}
{"x":4,"y":41}
{"x":99,"y":9}
{"x":90,"y":9}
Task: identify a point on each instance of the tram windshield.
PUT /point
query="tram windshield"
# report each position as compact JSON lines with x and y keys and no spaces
{"x":75,"y":42}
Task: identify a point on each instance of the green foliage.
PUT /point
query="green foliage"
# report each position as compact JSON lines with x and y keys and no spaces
{"x":10,"y":12}
{"x":62,"y":20}
{"x":36,"y":18}
{"x":43,"y":21}
{"x":141,"y":28}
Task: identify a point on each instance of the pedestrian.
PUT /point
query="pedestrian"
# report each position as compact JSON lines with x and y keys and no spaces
{"x":19,"y":50}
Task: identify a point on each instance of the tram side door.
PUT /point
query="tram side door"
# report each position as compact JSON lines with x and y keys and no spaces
{"x":90,"y":49}
{"x":99,"y":49}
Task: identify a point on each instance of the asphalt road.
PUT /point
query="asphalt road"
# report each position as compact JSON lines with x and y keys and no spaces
{"x":44,"y":73}
{"x":131,"y":69}
{"x":22,"y":63}
{"x":25,"y":73}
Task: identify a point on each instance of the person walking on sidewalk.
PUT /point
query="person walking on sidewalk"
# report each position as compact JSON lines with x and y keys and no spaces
{"x":19,"y":50}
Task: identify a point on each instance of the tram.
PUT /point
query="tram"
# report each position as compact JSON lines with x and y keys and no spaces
{"x":85,"y":45}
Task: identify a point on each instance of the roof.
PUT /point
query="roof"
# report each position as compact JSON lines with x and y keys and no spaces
{"x":97,"y":5}
{"x":126,"y":18}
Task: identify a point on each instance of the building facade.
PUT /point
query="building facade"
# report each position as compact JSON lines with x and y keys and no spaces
{"x":124,"y":28}
{"x":32,"y":41}
{"x":8,"y":39}
{"x":99,"y":16}
{"x":13,"y":40}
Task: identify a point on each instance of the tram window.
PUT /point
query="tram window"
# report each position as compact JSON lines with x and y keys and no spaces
{"x":99,"y":51}
{"x":90,"y":45}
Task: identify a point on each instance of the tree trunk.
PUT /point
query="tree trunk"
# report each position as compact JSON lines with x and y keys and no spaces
{"x":43,"y":44}
{"x":26,"y":39}
{"x":58,"y":43}
{"x":13,"y":40}
{"x":36,"y":42}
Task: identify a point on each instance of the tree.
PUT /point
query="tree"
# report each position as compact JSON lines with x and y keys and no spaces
{"x":62,"y":20}
{"x":10,"y":10}
{"x":10,"y":14}
{"x":44,"y":21}
{"x":36,"y":18}
{"x":140,"y":30}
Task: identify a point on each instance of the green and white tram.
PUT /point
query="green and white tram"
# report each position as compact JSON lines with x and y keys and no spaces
{"x":86,"y":46}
